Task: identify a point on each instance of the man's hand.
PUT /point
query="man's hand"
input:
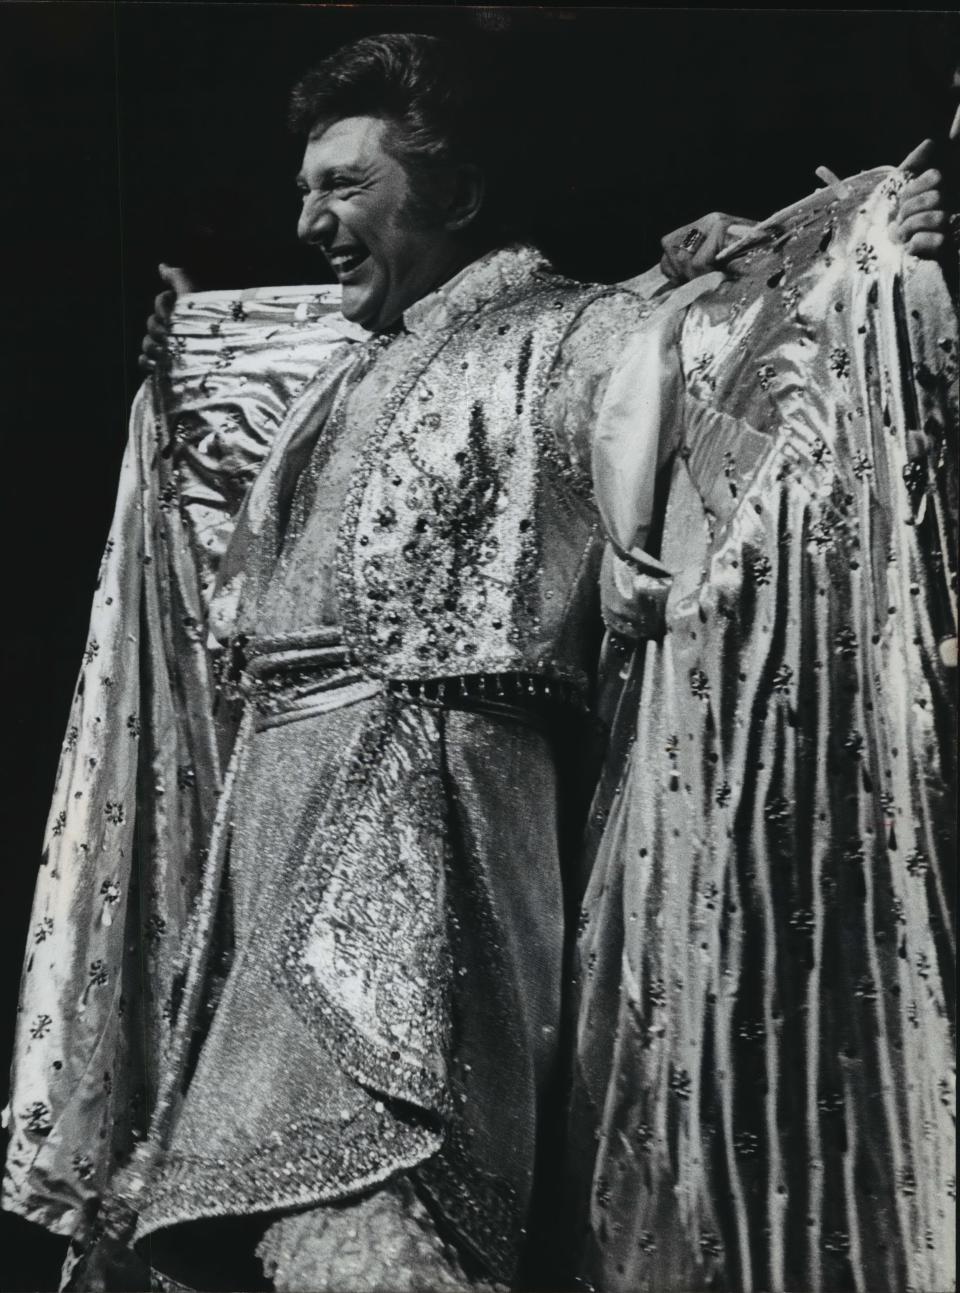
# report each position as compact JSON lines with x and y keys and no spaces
{"x":920,"y":221}
{"x":693,"y":250}
{"x":154,"y":346}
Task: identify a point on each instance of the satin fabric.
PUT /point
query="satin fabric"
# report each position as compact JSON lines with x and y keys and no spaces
{"x":142,"y":760}
{"x":766,"y":964}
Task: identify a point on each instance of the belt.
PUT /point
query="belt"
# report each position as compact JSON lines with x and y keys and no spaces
{"x":289,"y":679}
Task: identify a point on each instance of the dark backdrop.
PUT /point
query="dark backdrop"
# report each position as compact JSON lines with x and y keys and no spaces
{"x":141,"y":132}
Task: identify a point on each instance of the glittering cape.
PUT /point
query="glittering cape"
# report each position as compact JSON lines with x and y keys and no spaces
{"x":141,"y":764}
{"x":766,"y":966}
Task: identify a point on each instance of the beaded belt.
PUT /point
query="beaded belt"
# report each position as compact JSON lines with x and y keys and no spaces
{"x":289,"y":679}
{"x":514,"y":694}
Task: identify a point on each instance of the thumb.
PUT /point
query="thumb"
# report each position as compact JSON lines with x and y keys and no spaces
{"x":919,"y":159}
{"x":176,"y":278}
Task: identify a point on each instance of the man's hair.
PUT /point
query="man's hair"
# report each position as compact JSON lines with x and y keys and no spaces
{"x":438,"y":102}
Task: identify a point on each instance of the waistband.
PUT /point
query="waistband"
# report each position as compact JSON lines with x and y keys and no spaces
{"x":289,"y":679}
{"x":289,"y":685}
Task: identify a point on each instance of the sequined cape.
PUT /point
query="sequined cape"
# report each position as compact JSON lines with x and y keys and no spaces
{"x":141,"y":763}
{"x":765,"y":1037}
{"x":236,"y":372}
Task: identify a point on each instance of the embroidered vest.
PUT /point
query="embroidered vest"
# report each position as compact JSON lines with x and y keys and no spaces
{"x":470,"y":541}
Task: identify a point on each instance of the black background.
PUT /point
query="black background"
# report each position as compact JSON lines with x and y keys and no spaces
{"x":140,"y":132}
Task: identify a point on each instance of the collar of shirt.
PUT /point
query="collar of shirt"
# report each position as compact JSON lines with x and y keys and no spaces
{"x":480,"y":282}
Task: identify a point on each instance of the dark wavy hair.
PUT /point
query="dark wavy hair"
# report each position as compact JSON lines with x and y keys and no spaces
{"x":441,"y":105}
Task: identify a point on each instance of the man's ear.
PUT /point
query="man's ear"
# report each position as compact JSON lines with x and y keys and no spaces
{"x":469,"y":190}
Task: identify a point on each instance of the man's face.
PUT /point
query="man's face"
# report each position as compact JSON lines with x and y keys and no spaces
{"x":355,"y":210}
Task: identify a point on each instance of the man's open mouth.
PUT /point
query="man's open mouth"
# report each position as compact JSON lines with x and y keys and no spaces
{"x":345,"y":260}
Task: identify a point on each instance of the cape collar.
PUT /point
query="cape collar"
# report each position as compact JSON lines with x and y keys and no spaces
{"x":484,"y":280}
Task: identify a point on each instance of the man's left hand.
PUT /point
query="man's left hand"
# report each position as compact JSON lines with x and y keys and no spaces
{"x":692,"y":250}
{"x":920,"y":222}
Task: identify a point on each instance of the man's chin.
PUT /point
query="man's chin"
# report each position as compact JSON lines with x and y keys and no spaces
{"x":356,"y":307}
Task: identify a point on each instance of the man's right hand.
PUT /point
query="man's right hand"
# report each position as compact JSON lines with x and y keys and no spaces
{"x":154,"y":346}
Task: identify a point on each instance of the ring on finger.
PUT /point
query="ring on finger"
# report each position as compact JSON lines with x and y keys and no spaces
{"x":692,"y":240}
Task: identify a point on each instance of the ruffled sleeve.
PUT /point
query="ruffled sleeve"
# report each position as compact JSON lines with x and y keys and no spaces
{"x":616,"y":398}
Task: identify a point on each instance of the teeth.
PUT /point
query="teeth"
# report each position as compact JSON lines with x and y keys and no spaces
{"x":344,"y":261}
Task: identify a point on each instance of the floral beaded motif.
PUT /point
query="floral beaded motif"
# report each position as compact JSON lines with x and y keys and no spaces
{"x":365,"y":943}
{"x":440,"y":567}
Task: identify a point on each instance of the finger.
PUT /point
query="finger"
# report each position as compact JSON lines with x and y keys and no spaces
{"x":178,"y":278}
{"x":151,"y":350}
{"x":930,"y":179}
{"x":920,"y":157}
{"x":715,"y":239}
{"x":681,"y":246}
{"x":926,"y":245}
{"x":743,"y":224}
{"x":699,"y":261}
{"x":928,"y":201}
{"x":669,"y":260}
{"x":157,"y":329}
{"x":148,"y":363}
{"x":740,"y":228}
{"x":672,"y":243}
{"x":690,"y":237}
{"x":723,"y":218}
{"x":923,"y":222}
{"x":908,"y":225}
{"x":669,"y":267}
{"x":163,"y":304}
{"x":693,"y":250}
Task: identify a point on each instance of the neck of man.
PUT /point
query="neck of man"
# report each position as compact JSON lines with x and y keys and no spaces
{"x":461,"y":255}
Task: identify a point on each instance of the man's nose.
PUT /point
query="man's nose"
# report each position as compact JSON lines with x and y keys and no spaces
{"x":317,"y":221}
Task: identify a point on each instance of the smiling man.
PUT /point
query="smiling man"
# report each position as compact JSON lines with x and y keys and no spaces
{"x":411,"y":609}
{"x":387,"y":1038}
{"x":358,"y":210}
{"x":411,"y":604}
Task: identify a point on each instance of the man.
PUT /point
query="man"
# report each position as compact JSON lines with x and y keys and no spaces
{"x":411,"y":606}
{"x":439,"y":573}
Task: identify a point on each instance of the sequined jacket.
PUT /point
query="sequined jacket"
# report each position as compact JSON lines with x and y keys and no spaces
{"x":470,"y":539}
{"x":470,"y":542}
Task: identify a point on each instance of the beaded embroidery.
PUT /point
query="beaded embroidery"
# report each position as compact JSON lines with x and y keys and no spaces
{"x":440,"y":560}
{"x":364,"y":947}
{"x":318,"y":1159}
